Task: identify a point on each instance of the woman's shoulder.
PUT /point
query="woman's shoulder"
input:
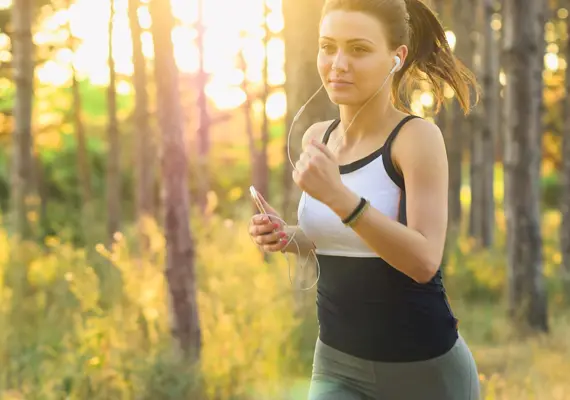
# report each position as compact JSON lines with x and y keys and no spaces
{"x":316,"y":131}
{"x":418,"y":132}
{"x":419,"y":140}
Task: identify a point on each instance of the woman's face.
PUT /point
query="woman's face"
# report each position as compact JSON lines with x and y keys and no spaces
{"x":354,"y":58}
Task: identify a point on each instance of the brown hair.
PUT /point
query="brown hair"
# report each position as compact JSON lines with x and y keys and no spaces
{"x":412,"y":23}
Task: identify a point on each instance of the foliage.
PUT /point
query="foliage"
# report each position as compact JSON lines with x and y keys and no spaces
{"x":551,"y":191}
{"x":62,"y":339}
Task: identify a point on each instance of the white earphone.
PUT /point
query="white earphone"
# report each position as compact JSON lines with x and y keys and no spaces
{"x":398,"y":61}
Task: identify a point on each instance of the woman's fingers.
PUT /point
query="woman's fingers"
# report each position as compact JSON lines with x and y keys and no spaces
{"x":268,"y":234}
{"x":271,"y":248}
{"x":260,"y":219}
{"x":263,"y":229}
{"x":270,"y":238}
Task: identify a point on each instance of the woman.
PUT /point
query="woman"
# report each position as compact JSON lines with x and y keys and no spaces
{"x":374,"y":208}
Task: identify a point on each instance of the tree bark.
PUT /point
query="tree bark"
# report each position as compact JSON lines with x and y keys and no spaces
{"x":83,"y":167}
{"x":445,"y":122}
{"x":522,"y":47}
{"x":180,"y":253}
{"x":476,"y":157}
{"x":462,"y":23}
{"x":144,"y":142}
{"x":114,"y":151}
{"x":22,"y":159}
{"x":205,"y":120}
{"x":485,"y":154}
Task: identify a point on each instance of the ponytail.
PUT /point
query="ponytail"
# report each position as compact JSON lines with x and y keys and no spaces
{"x":430,"y":57}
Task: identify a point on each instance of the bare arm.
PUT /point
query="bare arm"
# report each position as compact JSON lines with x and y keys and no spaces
{"x":415,"y":249}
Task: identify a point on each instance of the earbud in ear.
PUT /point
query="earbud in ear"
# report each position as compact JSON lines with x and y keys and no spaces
{"x":397,"y":62}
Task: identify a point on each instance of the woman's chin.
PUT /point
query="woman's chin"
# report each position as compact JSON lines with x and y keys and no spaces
{"x":343,"y":97}
{"x":342,"y":100}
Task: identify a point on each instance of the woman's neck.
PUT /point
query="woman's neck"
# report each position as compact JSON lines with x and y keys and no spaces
{"x":368,"y":121}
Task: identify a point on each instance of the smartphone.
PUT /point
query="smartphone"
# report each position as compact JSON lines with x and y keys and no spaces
{"x":256,"y":199}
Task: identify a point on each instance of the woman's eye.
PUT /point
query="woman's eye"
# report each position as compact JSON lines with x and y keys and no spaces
{"x":359,"y":49}
{"x":327,"y":48}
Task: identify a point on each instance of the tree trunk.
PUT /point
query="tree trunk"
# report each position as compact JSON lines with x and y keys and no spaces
{"x":523,"y":37}
{"x":180,"y":253}
{"x":301,"y":48}
{"x":452,"y":136}
{"x":83,"y":168}
{"x":485,"y":146}
{"x":22,"y":160}
{"x":461,"y":17}
{"x":205,"y":121}
{"x":144,"y":136}
{"x":476,"y":158}
{"x":565,"y":198}
{"x":113,"y":162}
{"x":144,"y":139}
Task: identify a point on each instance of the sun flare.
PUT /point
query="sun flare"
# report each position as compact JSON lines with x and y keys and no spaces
{"x":239,"y":28}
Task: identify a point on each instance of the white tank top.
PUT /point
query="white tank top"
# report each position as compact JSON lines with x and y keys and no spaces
{"x":366,"y":177}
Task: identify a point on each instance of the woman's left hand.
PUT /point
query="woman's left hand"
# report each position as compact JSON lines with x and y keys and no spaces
{"x":317,"y":173}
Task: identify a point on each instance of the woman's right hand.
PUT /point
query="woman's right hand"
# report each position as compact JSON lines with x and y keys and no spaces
{"x":268,"y":232}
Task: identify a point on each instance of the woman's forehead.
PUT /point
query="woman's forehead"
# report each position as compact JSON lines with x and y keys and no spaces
{"x":344,"y":26}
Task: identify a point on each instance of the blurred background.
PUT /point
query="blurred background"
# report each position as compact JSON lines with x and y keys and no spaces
{"x":129,"y":134}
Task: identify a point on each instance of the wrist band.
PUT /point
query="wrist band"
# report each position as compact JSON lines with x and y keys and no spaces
{"x":358,"y":211}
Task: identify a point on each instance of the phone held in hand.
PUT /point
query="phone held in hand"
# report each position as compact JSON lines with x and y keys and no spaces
{"x":256,"y":199}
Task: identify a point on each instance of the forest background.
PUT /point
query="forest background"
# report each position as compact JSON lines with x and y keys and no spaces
{"x":130,"y":132}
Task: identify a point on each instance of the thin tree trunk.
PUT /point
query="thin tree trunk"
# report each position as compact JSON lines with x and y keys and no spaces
{"x":113,"y":162}
{"x":453,"y":139}
{"x":488,"y":124}
{"x":144,"y":137}
{"x":83,"y":168}
{"x":462,"y":18}
{"x":523,"y":44}
{"x":205,"y":120}
{"x":180,"y":253}
{"x":144,"y":158}
{"x":22,"y":160}
{"x":477,"y":156}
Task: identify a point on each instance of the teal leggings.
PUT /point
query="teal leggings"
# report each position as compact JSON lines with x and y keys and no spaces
{"x":339,"y":376}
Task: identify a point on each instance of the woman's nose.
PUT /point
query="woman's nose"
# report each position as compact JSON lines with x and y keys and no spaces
{"x":340,"y":62}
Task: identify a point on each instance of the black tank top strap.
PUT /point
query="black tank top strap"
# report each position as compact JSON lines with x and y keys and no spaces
{"x":330,"y":130}
{"x":387,"y":153}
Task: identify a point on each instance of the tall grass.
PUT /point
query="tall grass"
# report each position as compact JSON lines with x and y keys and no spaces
{"x":93,"y":323}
